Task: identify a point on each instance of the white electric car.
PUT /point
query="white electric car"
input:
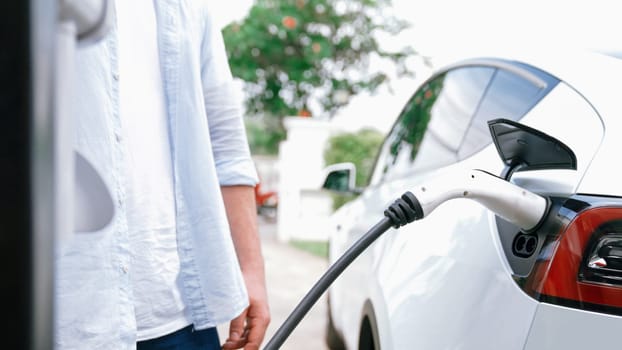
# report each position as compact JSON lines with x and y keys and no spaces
{"x":463,"y":278}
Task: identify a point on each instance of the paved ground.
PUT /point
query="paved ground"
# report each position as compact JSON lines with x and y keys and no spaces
{"x":290,"y":273}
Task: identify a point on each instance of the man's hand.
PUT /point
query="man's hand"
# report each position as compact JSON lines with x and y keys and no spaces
{"x":248,"y":329}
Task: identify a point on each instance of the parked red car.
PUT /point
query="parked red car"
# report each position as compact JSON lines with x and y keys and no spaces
{"x":267,"y":201}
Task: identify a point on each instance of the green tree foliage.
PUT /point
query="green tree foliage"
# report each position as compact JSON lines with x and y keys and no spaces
{"x":303,"y":57}
{"x":264,"y":135}
{"x":359,"y":148}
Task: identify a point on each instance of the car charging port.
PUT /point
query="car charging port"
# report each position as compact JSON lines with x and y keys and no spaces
{"x":524,"y":245}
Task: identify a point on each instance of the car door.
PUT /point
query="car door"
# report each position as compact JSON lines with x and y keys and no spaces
{"x":447,"y":101}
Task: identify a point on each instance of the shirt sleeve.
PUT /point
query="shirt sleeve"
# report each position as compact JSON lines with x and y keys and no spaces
{"x":223,"y":106}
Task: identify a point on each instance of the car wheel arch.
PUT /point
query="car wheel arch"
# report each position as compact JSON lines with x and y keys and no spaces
{"x":368,"y":330}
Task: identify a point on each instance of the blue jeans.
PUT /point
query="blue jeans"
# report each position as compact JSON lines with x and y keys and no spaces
{"x":183,"y":339}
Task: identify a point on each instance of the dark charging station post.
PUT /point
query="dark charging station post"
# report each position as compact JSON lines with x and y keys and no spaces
{"x":27,"y":224}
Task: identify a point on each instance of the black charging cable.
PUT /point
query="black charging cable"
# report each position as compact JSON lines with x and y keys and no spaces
{"x":404,"y":210}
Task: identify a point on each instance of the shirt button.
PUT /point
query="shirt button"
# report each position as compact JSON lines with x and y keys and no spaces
{"x":123,"y":268}
{"x":117,"y":137}
{"x":115,"y":76}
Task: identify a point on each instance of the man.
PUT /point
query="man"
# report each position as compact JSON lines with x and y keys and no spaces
{"x":158,"y":118}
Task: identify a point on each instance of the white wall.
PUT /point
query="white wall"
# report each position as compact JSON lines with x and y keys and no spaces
{"x":303,"y":209}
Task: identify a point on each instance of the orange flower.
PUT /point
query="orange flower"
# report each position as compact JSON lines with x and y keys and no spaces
{"x":304,"y":113}
{"x":289,"y":22}
{"x":316,"y":47}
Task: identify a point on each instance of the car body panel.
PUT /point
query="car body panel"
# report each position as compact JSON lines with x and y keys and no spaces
{"x":558,"y":327}
{"x":426,"y":268}
{"x":458,"y":286}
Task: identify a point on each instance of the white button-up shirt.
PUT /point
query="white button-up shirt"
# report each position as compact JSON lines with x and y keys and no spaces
{"x":94,"y":301}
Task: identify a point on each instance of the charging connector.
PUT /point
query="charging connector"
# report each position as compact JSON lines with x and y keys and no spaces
{"x":515,"y":204}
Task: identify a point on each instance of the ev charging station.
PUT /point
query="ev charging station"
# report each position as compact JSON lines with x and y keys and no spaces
{"x":36,"y":203}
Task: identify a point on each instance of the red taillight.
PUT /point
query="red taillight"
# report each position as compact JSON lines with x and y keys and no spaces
{"x":582,"y":267}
